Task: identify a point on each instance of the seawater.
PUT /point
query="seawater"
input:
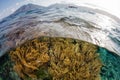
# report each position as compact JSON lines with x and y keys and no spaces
{"x":111,"y":65}
{"x":109,"y":71}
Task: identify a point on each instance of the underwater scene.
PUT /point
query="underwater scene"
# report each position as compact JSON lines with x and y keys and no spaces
{"x":57,"y":58}
{"x":58,"y":41}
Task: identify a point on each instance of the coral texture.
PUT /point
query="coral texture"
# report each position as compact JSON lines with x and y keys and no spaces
{"x":70,"y":61}
{"x":29,"y":57}
{"x":61,"y":58}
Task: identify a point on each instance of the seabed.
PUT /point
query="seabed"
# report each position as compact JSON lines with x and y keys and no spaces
{"x":57,"y":58}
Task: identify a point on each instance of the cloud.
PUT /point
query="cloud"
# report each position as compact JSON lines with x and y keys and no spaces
{"x":13,"y":9}
{"x":17,"y":4}
{"x":7,"y":12}
{"x":32,"y":0}
{"x":27,"y":0}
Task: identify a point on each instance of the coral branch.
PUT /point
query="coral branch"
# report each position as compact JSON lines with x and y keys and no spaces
{"x":60,"y":58}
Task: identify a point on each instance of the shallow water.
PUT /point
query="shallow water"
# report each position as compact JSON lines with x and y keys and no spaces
{"x":109,"y":71}
{"x":111,"y":68}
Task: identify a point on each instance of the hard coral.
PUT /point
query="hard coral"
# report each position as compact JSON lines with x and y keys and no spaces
{"x":61,"y":58}
{"x":77,"y":61}
{"x":29,"y":57}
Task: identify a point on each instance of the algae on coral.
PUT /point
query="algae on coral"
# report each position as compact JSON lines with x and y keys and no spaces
{"x":29,"y":57}
{"x":56,"y":59}
{"x":74,"y":61}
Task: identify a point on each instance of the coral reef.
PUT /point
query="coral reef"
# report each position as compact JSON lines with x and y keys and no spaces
{"x":29,"y":57}
{"x":77,"y":61}
{"x":6,"y":69}
{"x":56,"y":59}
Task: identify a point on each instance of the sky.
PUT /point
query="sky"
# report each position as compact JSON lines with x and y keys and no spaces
{"x":7,"y":7}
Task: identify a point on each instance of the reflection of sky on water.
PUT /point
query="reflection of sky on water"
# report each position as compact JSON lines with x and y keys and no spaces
{"x":9,"y":6}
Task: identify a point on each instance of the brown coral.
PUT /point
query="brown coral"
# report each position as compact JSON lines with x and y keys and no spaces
{"x":29,"y":57}
{"x":77,"y":61}
{"x":67,"y":59}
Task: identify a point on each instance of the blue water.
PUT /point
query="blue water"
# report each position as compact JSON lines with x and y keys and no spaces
{"x":111,"y":65}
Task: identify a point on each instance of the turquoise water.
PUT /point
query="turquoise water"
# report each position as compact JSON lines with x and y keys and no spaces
{"x":111,"y":65}
{"x":109,"y":71}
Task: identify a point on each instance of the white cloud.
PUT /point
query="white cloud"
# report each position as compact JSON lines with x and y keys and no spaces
{"x":34,"y":0}
{"x":7,"y":12}
{"x":17,"y":4}
{"x":13,"y":9}
{"x":27,"y":0}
